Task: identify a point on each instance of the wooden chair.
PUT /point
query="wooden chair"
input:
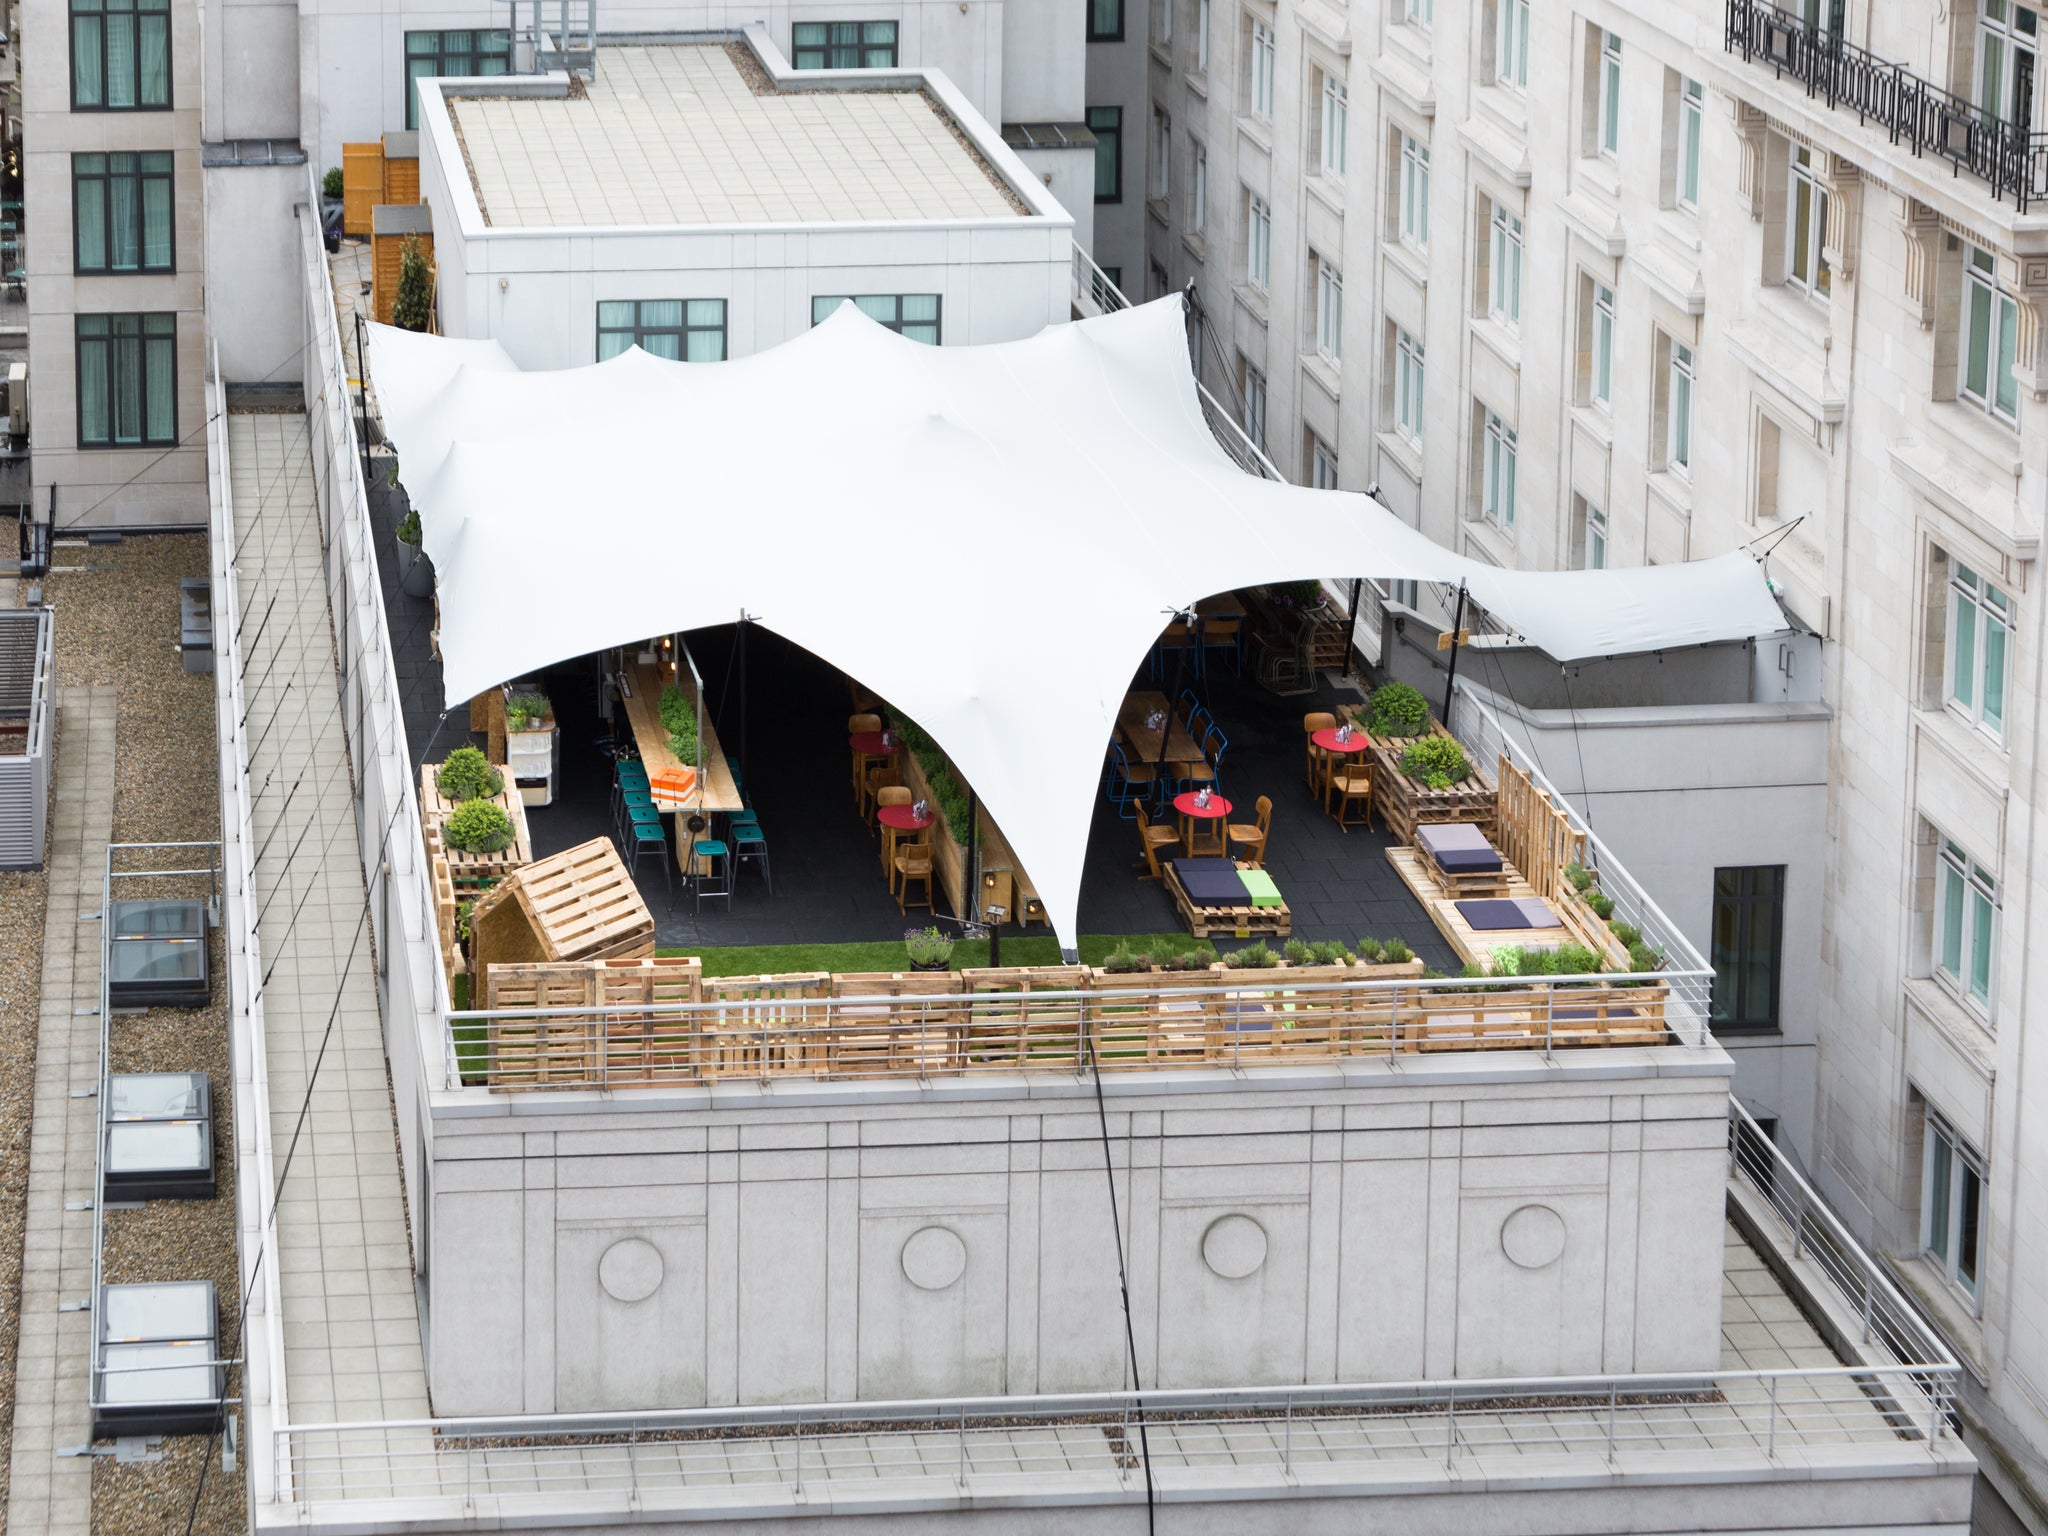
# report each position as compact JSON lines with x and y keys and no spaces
{"x":1352,"y":782}
{"x":889,"y":794}
{"x":1317,"y":772}
{"x":913,"y":862}
{"x":1152,"y":839}
{"x":1253,"y":838}
{"x":855,"y":725}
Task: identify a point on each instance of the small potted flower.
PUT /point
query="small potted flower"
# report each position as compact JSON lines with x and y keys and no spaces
{"x":928,"y":948}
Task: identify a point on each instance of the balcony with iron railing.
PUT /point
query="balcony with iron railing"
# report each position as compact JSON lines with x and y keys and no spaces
{"x":2005,"y":155}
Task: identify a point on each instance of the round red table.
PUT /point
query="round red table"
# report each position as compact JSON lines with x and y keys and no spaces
{"x":1192,"y":813}
{"x":903,"y":818}
{"x":1327,"y":740}
{"x":869,"y":744}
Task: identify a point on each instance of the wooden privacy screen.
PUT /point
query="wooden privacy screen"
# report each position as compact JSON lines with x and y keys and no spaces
{"x":362,"y":185}
{"x":1536,"y":836}
{"x":580,"y":904}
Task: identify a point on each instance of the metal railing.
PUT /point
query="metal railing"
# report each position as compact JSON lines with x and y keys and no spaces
{"x":2005,"y":155}
{"x":1888,"y":1324}
{"x":791,"y":1027}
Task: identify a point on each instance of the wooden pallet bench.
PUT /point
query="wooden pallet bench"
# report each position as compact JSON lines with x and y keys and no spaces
{"x":1242,"y":922}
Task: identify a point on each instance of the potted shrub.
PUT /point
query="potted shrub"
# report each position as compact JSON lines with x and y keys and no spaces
{"x":331,"y":208}
{"x":468,"y":775}
{"x":527,"y":712}
{"x":929,"y":949}
{"x":1437,"y":762}
{"x":415,"y":569}
{"x":477,"y":826}
{"x":1398,"y":711}
{"x":412,"y":308}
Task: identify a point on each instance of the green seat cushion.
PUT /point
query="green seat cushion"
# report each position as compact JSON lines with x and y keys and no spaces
{"x":1260,"y":887}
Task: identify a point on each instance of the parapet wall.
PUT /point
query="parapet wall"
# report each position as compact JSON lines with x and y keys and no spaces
{"x":1469,"y":1216}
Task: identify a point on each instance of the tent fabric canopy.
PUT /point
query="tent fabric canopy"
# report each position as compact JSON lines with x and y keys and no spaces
{"x":989,"y":537}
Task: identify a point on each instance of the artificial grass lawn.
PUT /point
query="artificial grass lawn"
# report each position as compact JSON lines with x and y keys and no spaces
{"x":889,"y":955}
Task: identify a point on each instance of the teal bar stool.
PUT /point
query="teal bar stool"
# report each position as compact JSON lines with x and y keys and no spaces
{"x":649,"y":840}
{"x":749,"y":842}
{"x":713,"y":877}
{"x":633,"y":801}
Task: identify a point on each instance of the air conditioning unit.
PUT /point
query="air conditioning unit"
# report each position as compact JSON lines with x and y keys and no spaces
{"x":17,"y":399}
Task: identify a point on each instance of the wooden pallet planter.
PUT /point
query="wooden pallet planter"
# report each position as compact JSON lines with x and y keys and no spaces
{"x":543,"y":1053}
{"x":643,"y":1047}
{"x":1243,"y":922}
{"x":580,"y":904}
{"x":446,"y":910}
{"x":1405,"y":803}
{"x":474,"y":871}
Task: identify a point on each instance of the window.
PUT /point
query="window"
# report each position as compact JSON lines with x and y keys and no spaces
{"x":121,"y":212}
{"x":1322,"y":464}
{"x":1600,"y":380}
{"x":1691,"y":127}
{"x":1749,"y":937}
{"x":1511,"y":44}
{"x":1408,"y":386}
{"x":127,"y":381}
{"x":1107,"y":124}
{"x":1823,"y":16}
{"x":1262,"y":70}
{"x":1806,"y":228}
{"x":2008,"y":49}
{"x":1258,"y":257}
{"x":453,"y":54}
{"x":1255,"y":406}
{"x":1592,"y":537}
{"x":1952,"y":1204}
{"x":120,"y":55}
{"x":1968,"y":917}
{"x":1202,"y":36}
{"x":1336,"y":124}
{"x":1105,"y":21}
{"x":1415,"y":192}
{"x":1505,"y":302}
{"x":1198,"y":199}
{"x":1678,"y":423}
{"x":1609,"y":127}
{"x":1991,"y":326}
{"x":1162,"y":154}
{"x":1497,"y":477}
{"x":1421,"y":13}
{"x":1329,"y":311}
{"x":915,"y":315}
{"x":1979,"y":637}
{"x":1162,"y":23}
{"x":844,"y":45}
{"x":684,"y":330}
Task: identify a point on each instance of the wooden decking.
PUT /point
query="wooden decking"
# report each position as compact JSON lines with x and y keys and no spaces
{"x":1474,"y":946}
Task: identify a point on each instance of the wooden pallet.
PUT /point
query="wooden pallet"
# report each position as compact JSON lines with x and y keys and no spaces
{"x":446,"y":906}
{"x":1242,"y":922}
{"x":1475,"y":946}
{"x":1468,"y":884}
{"x":472,"y":871}
{"x":1405,"y":803}
{"x":580,"y":904}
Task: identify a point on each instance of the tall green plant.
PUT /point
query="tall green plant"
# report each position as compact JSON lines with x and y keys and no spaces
{"x":1396,"y":710}
{"x":679,"y":719}
{"x":414,"y":305}
{"x":1437,"y":761}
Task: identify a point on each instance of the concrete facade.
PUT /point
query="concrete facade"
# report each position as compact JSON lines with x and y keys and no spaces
{"x":1833,"y":423}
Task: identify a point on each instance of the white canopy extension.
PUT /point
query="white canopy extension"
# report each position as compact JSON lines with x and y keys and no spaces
{"x":989,"y":537}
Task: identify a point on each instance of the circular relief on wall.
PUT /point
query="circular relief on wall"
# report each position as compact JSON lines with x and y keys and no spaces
{"x":630,"y":1270}
{"x":1532,"y":1236}
{"x":933,"y":1258}
{"x":1234,"y":1246}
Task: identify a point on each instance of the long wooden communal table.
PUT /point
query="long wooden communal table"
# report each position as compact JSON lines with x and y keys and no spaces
{"x":1143,"y":739}
{"x":715,"y":789}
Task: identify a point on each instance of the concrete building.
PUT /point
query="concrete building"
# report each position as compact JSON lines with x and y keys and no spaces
{"x":1632,"y":282}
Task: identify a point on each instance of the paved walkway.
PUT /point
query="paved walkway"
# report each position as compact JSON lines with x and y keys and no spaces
{"x":351,"y":1320}
{"x":49,"y":1492}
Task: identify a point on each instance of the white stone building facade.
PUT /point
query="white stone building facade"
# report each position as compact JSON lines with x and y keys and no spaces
{"x":1583,"y":284}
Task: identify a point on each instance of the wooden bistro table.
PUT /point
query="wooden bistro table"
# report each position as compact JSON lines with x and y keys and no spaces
{"x":714,"y":790}
{"x":1326,"y":738}
{"x":1144,"y":740}
{"x":1194,"y":815}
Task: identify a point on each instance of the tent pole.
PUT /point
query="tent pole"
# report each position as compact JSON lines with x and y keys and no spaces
{"x":742,"y":642}
{"x":1451,"y":676}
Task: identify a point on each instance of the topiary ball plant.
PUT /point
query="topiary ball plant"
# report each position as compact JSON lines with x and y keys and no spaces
{"x":477,"y":826}
{"x":1396,"y":710}
{"x":467,"y":775}
{"x":1437,"y":761}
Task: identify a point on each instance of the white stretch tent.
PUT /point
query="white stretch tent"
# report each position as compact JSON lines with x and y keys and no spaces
{"x":989,"y":537}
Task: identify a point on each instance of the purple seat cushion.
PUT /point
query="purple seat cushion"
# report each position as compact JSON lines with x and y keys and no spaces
{"x":1485,"y":916}
{"x":1456,"y":861}
{"x":1210,"y":882}
{"x":1458,"y":846}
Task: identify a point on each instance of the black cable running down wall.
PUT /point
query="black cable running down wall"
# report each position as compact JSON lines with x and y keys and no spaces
{"x":1123,"y":1280}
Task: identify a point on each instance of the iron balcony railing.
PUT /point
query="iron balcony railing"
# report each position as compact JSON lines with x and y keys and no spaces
{"x":2006,"y":156}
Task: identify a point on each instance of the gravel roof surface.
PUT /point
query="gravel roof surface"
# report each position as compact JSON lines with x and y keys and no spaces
{"x":117,"y":625}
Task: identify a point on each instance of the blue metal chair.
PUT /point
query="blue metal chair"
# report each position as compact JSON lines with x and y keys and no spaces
{"x":1126,"y":779}
{"x":713,"y":875}
{"x":750,"y":842}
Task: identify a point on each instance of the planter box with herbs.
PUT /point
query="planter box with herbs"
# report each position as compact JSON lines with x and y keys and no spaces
{"x":1422,"y":775}
{"x":477,"y":811}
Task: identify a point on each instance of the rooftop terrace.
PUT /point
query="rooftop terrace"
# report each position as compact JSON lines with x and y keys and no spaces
{"x":696,"y":134}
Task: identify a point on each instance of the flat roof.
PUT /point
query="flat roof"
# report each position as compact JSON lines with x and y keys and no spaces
{"x":696,"y":134}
